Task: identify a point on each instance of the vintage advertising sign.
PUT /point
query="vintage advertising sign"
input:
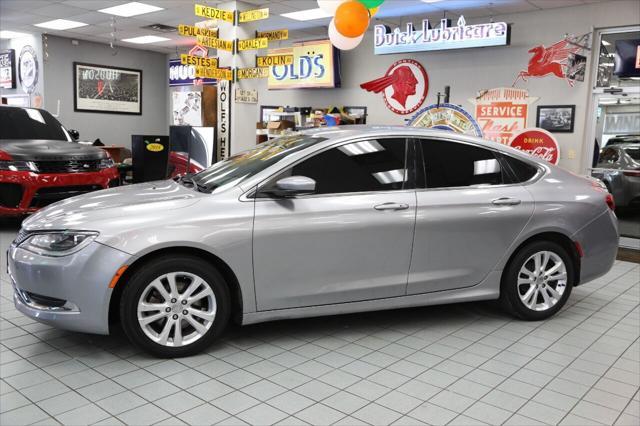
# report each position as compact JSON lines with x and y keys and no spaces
{"x":246,"y":96}
{"x":539,"y":143}
{"x":502,"y":112}
{"x":253,"y":43}
{"x":28,"y":69}
{"x":271,"y":60}
{"x":257,"y":72}
{"x":446,"y":117}
{"x":8,"y":69}
{"x":213,"y":13}
{"x":191,"y":31}
{"x":273,"y":35}
{"x":461,"y":36}
{"x":312,"y":67}
{"x":224,"y":119}
{"x":185,"y":75}
{"x":254,"y":15}
{"x":198,"y":61}
{"x":404,"y":86}
{"x":215,"y":43}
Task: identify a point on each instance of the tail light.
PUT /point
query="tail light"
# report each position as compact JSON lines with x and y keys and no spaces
{"x":632,"y":173}
{"x":4,"y":156}
{"x":610,"y":202}
{"x":579,"y":249}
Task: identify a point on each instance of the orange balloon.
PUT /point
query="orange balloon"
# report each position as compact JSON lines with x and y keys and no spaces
{"x":352,"y":19}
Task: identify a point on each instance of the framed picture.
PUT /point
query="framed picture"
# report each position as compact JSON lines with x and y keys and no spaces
{"x":556,"y":118}
{"x":105,"y":89}
{"x":8,"y":69}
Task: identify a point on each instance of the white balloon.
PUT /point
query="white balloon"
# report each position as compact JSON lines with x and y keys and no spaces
{"x":340,"y":41}
{"x":330,"y":6}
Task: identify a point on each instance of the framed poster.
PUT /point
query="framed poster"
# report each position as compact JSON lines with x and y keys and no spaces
{"x":101,"y":88}
{"x":556,"y":118}
{"x":8,"y":69}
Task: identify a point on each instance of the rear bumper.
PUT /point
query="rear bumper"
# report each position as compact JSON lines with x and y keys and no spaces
{"x":599,"y":241}
{"x":31,"y":191}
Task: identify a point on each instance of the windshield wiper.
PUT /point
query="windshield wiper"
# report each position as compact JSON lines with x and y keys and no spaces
{"x":188,"y":181}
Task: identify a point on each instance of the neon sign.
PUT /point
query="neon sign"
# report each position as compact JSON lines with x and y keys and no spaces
{"x":460,"y":36}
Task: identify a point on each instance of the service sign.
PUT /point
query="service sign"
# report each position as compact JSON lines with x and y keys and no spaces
{"x":257,"y":72}
{"x":8,"y":69}
{"x":539,"y":143}
{"x":185,"y":75}
{"x":502,"y":112}
{"x":271,"y":60}
{"x":213,"y":13}
{"x":191,"y":31}
{"x":461,"y":36}
{"x":215,"y":43}
{"x":273,"y":35}
{"x":246,"y":96}
{"x":198,"y":61}
{"x":254,"y":15}
{"x":253,"y":44}
{"x":312,"y":67}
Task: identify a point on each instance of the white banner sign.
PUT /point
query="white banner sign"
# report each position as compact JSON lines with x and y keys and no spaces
{"x":224,"y":119}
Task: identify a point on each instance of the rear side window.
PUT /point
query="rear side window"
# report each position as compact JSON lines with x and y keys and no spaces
{"x":633,"y":153}
{"x":521,"y":171}
{"x":450,"y":164}
{"x":609,"y":155}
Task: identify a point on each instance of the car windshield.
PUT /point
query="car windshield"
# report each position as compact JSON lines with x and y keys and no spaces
{"x":634,"y":152}
{"x":30,"y":123}
{"x":241,"y":166}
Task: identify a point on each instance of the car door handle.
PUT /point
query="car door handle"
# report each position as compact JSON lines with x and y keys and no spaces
{"x":506,"y":201}
{"x":391,"y":206}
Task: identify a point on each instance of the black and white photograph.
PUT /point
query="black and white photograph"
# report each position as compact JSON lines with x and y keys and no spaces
{"x":556,"y":118}
{"x":101,"y":88}
{"x":577,"y":66}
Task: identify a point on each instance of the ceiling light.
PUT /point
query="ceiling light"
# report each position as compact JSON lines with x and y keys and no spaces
{"x":606,"y":43}
{"x":307,"y":15}
{"x":11,"y":34}
{"x":131,"y":9}
{"x":145,"y":39}
{"x":61,"y":24}
{"x":431,"y":1}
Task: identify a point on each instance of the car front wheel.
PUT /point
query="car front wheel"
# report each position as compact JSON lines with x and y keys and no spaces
{"x":538,"y":281}
{"x":174,"y":306}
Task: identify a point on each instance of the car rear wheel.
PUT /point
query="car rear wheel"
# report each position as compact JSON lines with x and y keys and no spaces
{"x":538,"y":281}
{"x":175,"y":306}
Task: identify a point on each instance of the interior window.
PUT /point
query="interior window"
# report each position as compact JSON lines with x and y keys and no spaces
{"x":372,"y":165}
{"x":452,"y":164}
{"x":521,"y":171}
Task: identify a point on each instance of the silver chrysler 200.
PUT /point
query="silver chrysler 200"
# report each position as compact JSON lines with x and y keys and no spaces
{"x":317,"y":223}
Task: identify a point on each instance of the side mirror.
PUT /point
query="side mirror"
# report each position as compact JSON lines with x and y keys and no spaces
{"x":75,"y":135}
{"x":292,"y":186}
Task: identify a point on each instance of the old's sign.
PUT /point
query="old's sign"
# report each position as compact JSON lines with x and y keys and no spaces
{"x":274,"y":35}
{"x":271,"y":60}
{"x":253,"y":44}
{"x":254,"y":15}
{"x":213,"y":13}
{"x":216,"y":43}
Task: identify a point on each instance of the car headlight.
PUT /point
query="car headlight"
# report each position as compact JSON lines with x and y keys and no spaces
{"x":58,"y":243}
{"x":18,"y":166}
{"x":106,"y":163}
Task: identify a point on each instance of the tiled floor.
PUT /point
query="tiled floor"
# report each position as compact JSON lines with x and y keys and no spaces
{"x":456,"y":364}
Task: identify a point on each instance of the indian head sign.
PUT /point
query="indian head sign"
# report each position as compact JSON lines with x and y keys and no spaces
{"x":445,"y":37}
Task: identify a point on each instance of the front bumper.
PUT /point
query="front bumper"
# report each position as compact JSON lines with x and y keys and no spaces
{"x":599,"y":241}
{"x":35,"y":190}
{"x":81,"y":280}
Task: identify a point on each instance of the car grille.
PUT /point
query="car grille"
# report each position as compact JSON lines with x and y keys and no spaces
{"x":10,"y":195}
{"x":69,"y":166}
{"x":45,"y":196}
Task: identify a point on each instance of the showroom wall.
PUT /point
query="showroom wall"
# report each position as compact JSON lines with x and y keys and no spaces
{"x":468,"y":71}
{"x":17,"y":44}
{"x":112,"y":129}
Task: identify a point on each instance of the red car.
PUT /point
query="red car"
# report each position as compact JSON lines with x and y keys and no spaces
{"x":40,"y":163}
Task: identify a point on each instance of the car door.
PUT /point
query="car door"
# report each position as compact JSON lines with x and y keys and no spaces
{"x":349,"y":241}
{"x":469,"y":212}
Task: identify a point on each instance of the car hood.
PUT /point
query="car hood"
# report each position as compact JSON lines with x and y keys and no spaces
{"x":49,"y":150}
{"x":115,"y":208}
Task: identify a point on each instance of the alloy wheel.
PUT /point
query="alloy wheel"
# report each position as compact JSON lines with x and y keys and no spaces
{"x":176,"y":309}
{"x":542,"y":280}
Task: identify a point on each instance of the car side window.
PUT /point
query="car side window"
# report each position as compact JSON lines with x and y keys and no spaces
{"x":520,"y":170}
{"x":449,"y":164}
{"x":363,"y":166}
{"x":609,"y":155}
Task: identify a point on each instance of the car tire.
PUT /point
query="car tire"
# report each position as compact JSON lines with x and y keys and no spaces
{"x":185,"y":318}
{"x":530,"y":294}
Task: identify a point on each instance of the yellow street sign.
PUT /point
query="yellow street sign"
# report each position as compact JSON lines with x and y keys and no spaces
{"x":191,"y":31}
{"x":217,"y":73}
{"x":215,"y":43}
{"x":253,"y":43}
{"x":274,"y":35}
{"x":271,"y":60}
{"x":198,"y":61}
{"x":254,"y":15}
{"x":257,"y":72}
{"x":213,"y":13}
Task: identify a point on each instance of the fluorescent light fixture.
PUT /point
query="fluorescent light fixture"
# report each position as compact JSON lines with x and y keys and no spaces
{"x":11,"y":34}
{"x":307,"y":15}
{"x":131,"y":9}
{"x":431,"y":1}
{"x":145,"y":39}
{"x":61,"y":24}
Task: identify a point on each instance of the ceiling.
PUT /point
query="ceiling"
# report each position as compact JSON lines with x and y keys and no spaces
{"x":21,"y":15}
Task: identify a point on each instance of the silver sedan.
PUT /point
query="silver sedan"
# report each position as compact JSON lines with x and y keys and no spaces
{"x":319,"y":223}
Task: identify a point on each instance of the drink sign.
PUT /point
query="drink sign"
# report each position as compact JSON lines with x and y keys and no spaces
{"x":539,"y":143}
